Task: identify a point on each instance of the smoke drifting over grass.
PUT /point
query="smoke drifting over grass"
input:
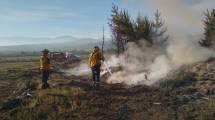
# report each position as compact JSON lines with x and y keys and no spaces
{"x":139,"y":62}
{"x":80,"y":70}
{"x":147,"y":65}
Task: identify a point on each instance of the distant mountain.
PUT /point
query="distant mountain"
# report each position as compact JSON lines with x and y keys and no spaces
{"x":58,"y":43}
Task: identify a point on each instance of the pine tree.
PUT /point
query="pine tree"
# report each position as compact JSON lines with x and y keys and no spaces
{"x":159,"y":30}
{"x":209,"y":29}
{"x":125,"y":30}
{"x":143,"y":29}
{"x":116,"y":35}
{"x":121,"y":27}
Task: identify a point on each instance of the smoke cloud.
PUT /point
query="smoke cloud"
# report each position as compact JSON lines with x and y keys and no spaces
{"x":80,"y":70}
{"x":143,"y":65}
{"x":181,"y":16}
{"x":148,"y":65}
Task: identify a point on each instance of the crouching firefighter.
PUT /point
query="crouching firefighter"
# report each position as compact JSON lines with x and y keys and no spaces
{"x":94,"y":62}
{"x":45,"y":68}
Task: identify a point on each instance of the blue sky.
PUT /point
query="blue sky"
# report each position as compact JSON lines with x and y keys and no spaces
{"x":48,"y":18}
{"x":36,"y":18}
{"x":78,"y":18}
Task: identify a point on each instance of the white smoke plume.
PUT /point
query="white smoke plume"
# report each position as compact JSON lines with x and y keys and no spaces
{"x":148,"y":65}
{"x":142,"y":65}
{"x":80,"y":70}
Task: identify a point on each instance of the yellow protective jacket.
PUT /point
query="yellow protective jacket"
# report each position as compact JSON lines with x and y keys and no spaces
{"x":95,"y":58}
{"x":44,"y":63}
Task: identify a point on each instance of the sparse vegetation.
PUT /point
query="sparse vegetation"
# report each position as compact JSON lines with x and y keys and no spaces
{"x":198,"y":110}
{"x":71,"y":98}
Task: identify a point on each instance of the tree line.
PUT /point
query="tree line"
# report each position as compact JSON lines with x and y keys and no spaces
{"x":153,"y":32}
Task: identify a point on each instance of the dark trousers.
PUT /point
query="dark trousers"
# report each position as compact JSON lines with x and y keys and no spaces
{"x":45,"y":76}
{"x":96,"y":73}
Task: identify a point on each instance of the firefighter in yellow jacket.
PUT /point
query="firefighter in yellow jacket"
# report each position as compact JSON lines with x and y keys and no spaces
{"x":45,"y":68}
{"x":94,"y":63}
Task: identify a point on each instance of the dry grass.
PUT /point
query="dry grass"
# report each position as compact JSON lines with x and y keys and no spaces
{"x":71,"y":98}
